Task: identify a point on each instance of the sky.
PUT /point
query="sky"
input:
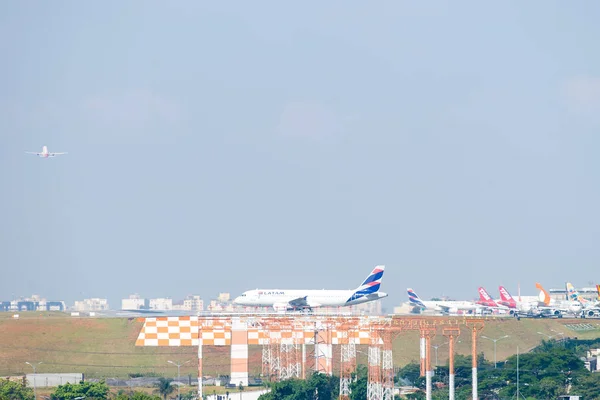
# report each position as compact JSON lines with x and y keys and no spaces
{"x":228,"y":146}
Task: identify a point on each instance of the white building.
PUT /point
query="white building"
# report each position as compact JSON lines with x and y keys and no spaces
{"x":161,"y":304}
{"x":193,"y":303}
{"x":368,"y":308}
{"x":224,"y":297}
{"x":134,"y":302}
{"x":94,"y":304}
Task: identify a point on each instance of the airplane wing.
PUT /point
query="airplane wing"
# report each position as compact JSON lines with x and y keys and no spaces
{"x":444,"y":309}
{"x":299,"y":302}
{"x":32,"y":152}
{"x":55,"y":154}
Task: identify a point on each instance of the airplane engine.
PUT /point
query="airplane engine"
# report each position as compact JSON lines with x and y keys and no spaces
{"x":591,"y":313}
{"x":557,"y":313}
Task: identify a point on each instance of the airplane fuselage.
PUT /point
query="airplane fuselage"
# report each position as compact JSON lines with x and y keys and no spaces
{"x":458,"y":305}
{"x":315,"y":298}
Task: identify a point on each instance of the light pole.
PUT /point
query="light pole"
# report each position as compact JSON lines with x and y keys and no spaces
{"x":33,"y":366}
{"x":178,"y":376}
{"x":550,"y":337}
{"x":495,"y":340}
{"x":561,"y":334}
{"x":435,"y":347}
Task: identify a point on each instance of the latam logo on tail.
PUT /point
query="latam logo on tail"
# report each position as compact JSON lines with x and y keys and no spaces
{"x":370,"y":285}
{"x":414,"y":299}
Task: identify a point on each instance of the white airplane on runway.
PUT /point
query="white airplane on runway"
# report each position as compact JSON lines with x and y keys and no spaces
{"x":291,"y":300}
{"x":44,"y":153}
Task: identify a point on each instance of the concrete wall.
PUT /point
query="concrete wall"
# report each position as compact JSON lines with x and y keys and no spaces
{"x":52,"y":380}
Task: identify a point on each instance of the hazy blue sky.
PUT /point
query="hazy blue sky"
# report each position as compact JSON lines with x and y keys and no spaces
{"x":224,"y":146}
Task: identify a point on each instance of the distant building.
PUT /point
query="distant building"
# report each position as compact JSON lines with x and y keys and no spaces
{"x":224,"y":297}
{"x":193,"y":303}
{"x":161,"y":304}
{"x":94,"y":304}
{"x":369,"y":308}
{"x":588,"y":293}
{"x":33,"y":303}
{"x":135,"y":302}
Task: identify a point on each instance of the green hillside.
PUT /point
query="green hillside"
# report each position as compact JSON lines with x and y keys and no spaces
{"x":105,"y":347}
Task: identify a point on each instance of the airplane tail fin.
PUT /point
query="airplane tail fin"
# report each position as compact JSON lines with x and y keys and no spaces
{"x":598,"y":290}
{"x":414,"y":299}
{"x":373,"y":282}
{"x":505,"y":296}
{"x":485,"y":298}
{"x":370,"y":285}
{"x":573,"y":294}
{"x":544,"y":296}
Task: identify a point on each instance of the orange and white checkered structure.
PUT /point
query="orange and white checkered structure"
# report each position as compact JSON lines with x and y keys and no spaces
{"x":240,"y":332}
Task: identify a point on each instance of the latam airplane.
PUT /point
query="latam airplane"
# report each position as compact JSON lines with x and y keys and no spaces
{"x":445,"y":307}
{"x":44,"y":153}
{"x":291,"y":300}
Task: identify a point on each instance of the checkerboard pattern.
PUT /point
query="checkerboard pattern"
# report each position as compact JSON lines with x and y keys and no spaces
{"x":184,"y":331}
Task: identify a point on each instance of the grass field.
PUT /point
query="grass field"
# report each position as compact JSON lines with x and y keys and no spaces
{"x":105,"y":347}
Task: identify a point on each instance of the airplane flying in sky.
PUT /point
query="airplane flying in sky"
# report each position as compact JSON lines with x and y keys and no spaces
{"x":44,"y":153}
{"x":290,"y":300}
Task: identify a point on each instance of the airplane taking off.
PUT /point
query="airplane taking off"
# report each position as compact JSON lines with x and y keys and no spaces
{"x":291,"y":300}
{"x":44,"y":153}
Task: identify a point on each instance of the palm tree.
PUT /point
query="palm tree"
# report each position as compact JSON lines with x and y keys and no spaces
{"x":164,"y":387}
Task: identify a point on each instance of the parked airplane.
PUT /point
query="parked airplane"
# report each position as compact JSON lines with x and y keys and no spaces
{"x":44,"y":153}
{"x":518,"y":308}
{"x":486,"y":300}
{"x":590,"y":308}
{"x":557,"y":307}
{"x":290,"y":300}
{"x":443,"y":306}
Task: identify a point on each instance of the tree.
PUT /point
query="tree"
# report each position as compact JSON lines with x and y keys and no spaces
{"x":10,"y":390}
{"x":164,"y":387}
{"x":136,"y":395}
{"x":410,"y":372}
{"x":89,"y":390}
{"x":318,"y":386}
{"x":325,"y":386}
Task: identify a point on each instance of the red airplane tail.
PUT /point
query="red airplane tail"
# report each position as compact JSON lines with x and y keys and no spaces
{"x":506,"y":298}
{"x":485,"y":298}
